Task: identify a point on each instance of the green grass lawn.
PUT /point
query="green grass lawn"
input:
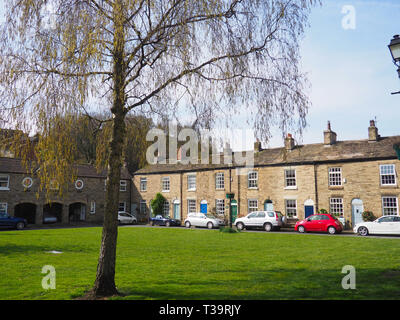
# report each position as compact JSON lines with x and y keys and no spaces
{"x":162,"y":263}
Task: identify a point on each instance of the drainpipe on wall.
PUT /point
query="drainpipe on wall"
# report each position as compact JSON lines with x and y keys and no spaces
{"x":316,"y":187}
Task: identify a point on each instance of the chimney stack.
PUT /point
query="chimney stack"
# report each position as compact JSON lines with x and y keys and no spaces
{"x":329,"y":136}
{"x":373,"y":135}
{"x":257,"y":146}
{"x":289,"y":142}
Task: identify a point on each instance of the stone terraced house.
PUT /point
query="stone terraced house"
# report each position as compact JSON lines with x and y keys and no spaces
{"x":343,"y":177}
{"x":84,"y":202}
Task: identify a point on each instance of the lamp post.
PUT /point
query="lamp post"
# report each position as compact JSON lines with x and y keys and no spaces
{"x":394,"y":48}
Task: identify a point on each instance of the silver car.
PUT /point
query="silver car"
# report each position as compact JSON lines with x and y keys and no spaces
{"x":267,"y":220}
{"x":199,"y":219}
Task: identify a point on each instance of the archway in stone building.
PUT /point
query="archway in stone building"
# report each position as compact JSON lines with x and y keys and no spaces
{"x":77,"y":212}
{"x":26,"y":211}
{"x":52,"y":212}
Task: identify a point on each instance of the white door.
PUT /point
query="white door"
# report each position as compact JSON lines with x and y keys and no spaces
{"x":357,"y":209}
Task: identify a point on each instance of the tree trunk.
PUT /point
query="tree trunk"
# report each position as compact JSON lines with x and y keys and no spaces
{"x":105,"y":278}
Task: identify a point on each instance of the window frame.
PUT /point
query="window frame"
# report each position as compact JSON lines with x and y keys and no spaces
{"x":166,"y":209}
{"x":252,"y":207}
{"x":387,"y":207}
{"x":287,"y":208}
{"x":252,"y":180}
{"x":188,"y":206}
{"x":143,"y":182}
{"x":290,"y":178}
{"x":141,"y":204}
{"x":218,"y":204}
{"x":332,"y":176}
{"x":165,"y":179}
{"x":92,"y":207}
{"x":123,"y":185}
{"x":119,"y":206}
{"x":5,"y":204}
{"x":336,"y":205}
{"x":189,"y":187}
{"x":8,"y":181}
{"x":392,"y":174}
{"x":219,"y":181}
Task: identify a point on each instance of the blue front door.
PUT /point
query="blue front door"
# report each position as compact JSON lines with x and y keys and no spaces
{"x":203,"y":208}
{"x":309,"y":211}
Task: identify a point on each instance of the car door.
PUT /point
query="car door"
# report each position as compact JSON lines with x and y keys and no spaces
{"x":322,"y":223}
{"x":251,"y":219}
{"x":202,"y":220}
{"x":259,"y":219}
{"x":311,"y":223}
{"x":396,"y":225}
{"x":4,"y":221}
{"x":383,"y":225}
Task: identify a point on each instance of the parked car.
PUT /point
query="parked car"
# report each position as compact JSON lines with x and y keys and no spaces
{"x":319,"y":223}
{"x":49,"y":219}
{"x":383,"y":225}
{"x":268,"y":220}
{"x":12,"y":222}
{"x":164,"y":221}
{"x":126,"y":218}
{"x":199,"y":219}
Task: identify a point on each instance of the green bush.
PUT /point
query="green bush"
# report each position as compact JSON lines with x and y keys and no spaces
{"x":157,"y":204}
{"x":368,"y":216}
{"x":322,"y":211}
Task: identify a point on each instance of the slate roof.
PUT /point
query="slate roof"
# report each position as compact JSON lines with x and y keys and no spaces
{"x":341,"y":151}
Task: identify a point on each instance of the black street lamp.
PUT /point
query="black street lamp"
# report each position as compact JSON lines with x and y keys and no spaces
{"x":394,"y":48}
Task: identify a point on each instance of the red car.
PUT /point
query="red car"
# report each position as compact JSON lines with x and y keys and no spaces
{"x":319,"y":223}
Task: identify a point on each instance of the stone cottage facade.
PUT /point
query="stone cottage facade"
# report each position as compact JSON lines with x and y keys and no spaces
{"x":84,"y":202}
{"x":343,"y":177}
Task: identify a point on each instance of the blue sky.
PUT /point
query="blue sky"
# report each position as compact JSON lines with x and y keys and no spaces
{"x":350,"y":71}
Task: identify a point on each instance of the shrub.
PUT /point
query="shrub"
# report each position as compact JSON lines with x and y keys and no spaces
{"x":228,"y":230}
{"x":157,"y":204}
{"x":322,"y":211}
{"x":368,"y":216}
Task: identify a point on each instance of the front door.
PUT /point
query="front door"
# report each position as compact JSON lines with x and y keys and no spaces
{"x":234,"y":210}
{"x":177,"y":211}
{"x":268,"y":205}
{"x":203,"y":207}
{"x":357,"y":209}
{"x":83,"y":212}
{"x":308,"y":211}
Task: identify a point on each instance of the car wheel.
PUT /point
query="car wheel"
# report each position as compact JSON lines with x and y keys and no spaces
{"x":20,"y":225}
{"x":301,"y":229}
{"x":240,"y":226}
{"x":187,"y":224}
{"x":331,"y":230}
{"x":268,"y":227}
{"x":167,"y":224}
{"x":362,"y":231}
{"x":210,"y":225}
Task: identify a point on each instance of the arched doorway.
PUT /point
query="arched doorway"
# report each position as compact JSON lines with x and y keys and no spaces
{"x":177,"y":209}
{"x":26,"y":211}
{"x":77,"y":212}
{"x":268,"y":205}
{"x":357,"y":208}
{"x":52,"y":212}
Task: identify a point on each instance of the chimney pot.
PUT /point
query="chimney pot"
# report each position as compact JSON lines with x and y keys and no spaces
{"x":289,"y":142}
{"x":373,"y":132}
{"x":329,"y":136}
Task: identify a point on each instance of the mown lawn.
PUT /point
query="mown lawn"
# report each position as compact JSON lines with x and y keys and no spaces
{"x":162,"y":263}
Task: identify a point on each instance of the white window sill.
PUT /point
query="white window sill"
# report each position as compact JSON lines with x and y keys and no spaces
{"x":4,"y":189}
{"x":165,"y":191}
{"x":291,"y":188}
{"x":191,"y":190}
{"x":253,"y":188}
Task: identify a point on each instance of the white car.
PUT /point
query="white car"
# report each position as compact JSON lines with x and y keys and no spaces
{"x":267,"y":220}
{"x":199,"y":219}
{"x":382,"y":225}
{"x":126,"y":218}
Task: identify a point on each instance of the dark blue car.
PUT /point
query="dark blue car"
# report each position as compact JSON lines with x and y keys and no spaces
{"x":164,"y":221}
{"x":12,"y":222}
